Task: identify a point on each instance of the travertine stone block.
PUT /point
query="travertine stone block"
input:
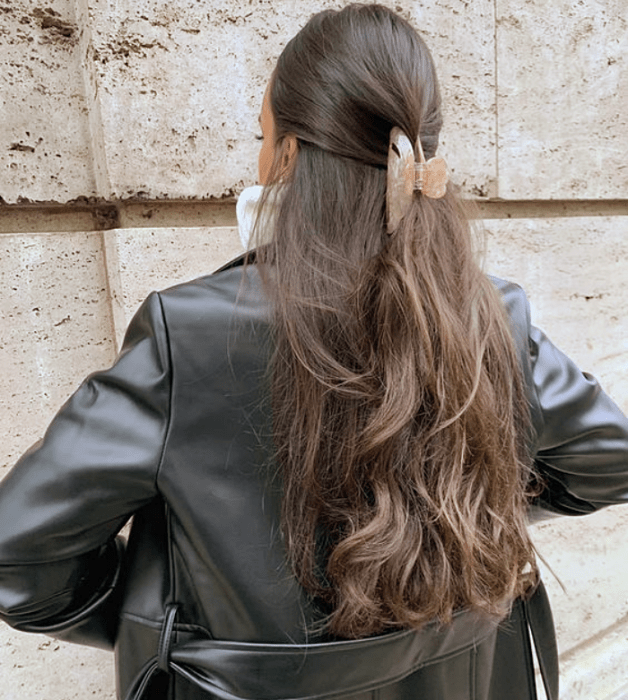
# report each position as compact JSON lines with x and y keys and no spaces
{"x":142,"y":260}
{"x":179,"y":88}
{"x":44,"y":139}
{"x":56,"y":328}
{"x":574,"y":271}
{"x":562,"y":99}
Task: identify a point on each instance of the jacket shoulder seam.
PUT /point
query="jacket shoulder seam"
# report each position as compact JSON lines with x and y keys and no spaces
{"x":168,"y":356}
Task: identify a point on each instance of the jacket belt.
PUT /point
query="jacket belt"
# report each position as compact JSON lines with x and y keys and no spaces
{"x":538,"y":613}
{"x":248,"y":671}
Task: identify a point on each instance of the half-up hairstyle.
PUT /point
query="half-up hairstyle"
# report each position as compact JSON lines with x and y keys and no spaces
{"x":399,"y":413}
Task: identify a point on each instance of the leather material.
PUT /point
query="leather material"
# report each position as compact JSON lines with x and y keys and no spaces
{"x":177,"y":433}
{"x":245,"y":671}
{"x":539,"y":618}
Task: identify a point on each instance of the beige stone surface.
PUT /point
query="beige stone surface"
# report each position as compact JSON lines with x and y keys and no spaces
{"x":140,"y":261}
{"x":598,"y":670}
{"x":180,"y":88}
{"x":36,"y":667}
{"x":44,"y":140}
{"x":55,"y":328}
{"x":562,"y":98}
{"x":588,"y":556}
{"x":575,"y":273}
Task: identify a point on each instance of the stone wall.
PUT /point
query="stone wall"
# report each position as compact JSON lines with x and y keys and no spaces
{"x":126,"y":131}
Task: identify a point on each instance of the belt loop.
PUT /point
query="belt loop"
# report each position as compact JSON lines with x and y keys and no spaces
{"x":163,"y":650}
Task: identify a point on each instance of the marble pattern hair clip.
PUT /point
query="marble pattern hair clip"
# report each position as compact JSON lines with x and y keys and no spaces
{"x":405,"y":176}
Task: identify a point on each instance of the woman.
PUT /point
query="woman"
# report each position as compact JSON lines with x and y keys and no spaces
{"x":329,"y":446}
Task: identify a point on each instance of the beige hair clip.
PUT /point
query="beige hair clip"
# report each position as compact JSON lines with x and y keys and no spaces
{"x":405,"y":176}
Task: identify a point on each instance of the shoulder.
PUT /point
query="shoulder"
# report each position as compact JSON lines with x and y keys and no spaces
{"x":233,"y":290}
{"x":215,"y":323}
{"x":517,"y":308}
{"x":514,"y":299}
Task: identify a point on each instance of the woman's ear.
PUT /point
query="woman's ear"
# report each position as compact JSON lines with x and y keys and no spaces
{"x":289,"y":153}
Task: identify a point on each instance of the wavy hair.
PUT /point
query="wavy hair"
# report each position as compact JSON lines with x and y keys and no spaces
{"x":399,"y":413}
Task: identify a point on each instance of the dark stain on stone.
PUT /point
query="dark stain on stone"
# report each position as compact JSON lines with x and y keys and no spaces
{"x":479,"y":191}
{"x":589,"y":297}
{"x":63,"y":28}
{"x":51,"y":20}
{"x":106,"y":217}
{"x":123,"y":49}
{"x":22,"y":147}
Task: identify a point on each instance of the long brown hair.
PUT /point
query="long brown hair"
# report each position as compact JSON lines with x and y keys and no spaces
{"x":399,"y":413}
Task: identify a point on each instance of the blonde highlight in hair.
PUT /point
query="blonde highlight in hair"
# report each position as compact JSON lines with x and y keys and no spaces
{"x":398,"y":402}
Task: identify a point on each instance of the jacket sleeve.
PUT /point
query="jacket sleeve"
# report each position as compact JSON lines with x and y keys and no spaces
{"x":63,"y":503}
{"x":581,"y":435}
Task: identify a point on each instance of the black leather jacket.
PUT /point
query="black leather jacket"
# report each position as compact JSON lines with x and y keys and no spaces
{"x":176,"y":434}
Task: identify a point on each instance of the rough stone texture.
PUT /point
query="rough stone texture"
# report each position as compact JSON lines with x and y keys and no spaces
{"x":180,"y":88}
{"x":574,"y":271}
{"x":166,"y":104}
{"x":56,"y":328}
{"x":598,"y":670}
{"x":563,"y":98}
{"x":589,"y":556}
{"x":36,"y":667}
{"x":142,"y":260}
{"x":44,"y":140}
{"x":28,"y":220}
{"x":188,"y":214}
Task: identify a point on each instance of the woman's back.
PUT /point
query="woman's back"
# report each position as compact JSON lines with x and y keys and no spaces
{"x":210,"y":544}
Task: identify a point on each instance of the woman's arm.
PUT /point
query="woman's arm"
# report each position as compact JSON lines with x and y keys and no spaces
{"x":64,"y":501}
{"x":582,"y":436}
{"x":580,"y":441}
